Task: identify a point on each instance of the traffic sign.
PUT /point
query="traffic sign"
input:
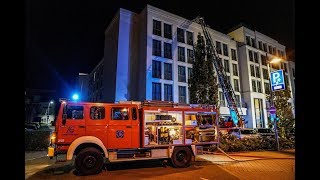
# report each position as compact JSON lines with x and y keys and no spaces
{"x":273,"y":116}
{"x":272,"y":110}
{"x":277,"y":80}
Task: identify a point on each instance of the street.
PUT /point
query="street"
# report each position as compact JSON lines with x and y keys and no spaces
{"x":249,"y":165}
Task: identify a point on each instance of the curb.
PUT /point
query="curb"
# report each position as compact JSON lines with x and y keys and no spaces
{"x":242,"y":155}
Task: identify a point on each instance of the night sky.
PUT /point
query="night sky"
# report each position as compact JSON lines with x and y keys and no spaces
{"x":65,"y":37}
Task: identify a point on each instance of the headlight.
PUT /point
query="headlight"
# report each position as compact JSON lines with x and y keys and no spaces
{"x":53,"y":138}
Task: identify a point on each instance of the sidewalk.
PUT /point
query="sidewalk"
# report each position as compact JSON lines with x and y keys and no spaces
{"x":31,"y":155}
{"x":222,"y":159}
{"x":261,"y":154}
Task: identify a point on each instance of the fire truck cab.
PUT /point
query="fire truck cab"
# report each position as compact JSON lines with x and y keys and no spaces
{"x":99,"y":133}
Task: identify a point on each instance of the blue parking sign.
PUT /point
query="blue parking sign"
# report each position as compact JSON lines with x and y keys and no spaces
{"x":277,"y":80}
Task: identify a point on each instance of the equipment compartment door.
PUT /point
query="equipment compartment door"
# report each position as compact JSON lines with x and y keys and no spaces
{"x":120,"y":128}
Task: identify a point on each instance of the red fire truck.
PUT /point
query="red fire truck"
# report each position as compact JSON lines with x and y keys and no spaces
{"x":99,"y":133}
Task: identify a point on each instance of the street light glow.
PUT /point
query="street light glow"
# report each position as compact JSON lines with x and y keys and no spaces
{"x":275,"y":60}
{"x":51,"y":102}
{"x":75,"y":97}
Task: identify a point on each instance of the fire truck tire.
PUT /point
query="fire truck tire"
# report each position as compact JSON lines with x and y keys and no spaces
{"x":89,"y":161}
{"x":181,"y":157}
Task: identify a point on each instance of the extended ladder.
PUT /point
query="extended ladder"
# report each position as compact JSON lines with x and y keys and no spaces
{"x":222,"y":76}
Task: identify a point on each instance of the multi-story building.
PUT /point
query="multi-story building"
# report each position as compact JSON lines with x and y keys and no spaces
{"x":255,"y":51}
{"x":82,"y":85}
{"x":149,"y":56}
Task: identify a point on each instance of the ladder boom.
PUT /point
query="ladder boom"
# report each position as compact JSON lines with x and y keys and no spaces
{"x":222,"y":76}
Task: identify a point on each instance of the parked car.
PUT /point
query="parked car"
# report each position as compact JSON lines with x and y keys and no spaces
{"x":35,"y":123}
{"x":30,"y":126}
{"x":244,"y":133}
{"x":265,"y":132}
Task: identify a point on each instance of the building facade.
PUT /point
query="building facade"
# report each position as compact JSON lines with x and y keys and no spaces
{"x":255,"y":51}
{"x":149,"y":56}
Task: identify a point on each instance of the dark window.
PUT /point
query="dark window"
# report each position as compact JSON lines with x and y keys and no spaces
{"x":156,"y":91}
{"x":266,"y":88}
{"x":250,"y":55}
{"x":222,"y":99}
{"x":285,"y":67}
{"x":97,"y":112}
{"x":282,"y":54}
{"x":256,"y":60}
{"x":218,"y":47}
{"x":134,"y":114}
{"x":226,"y":66}
{"x":274,"y":51}
{"x":260,"y":45}
{"x":190,"y":56}
{"x":181,"y":55}
{"x":253,"y":42}
{"x":180,"y":35}
{"x":270,"y":49}
{"x":265,"y":47}
{"x":225,"y":50}
{"x":248,"y":40}
{"x":254,"y":88}
{"x":286,"y":80}
{"x":156,"y":47}
{"x":182,"y":94}
{"x":293,"y":73}
{"x":189,"y":73}
{"x":259,"y":87}
{"x":233,"y":54}
{"x":263,"y":60}
{"x":168,"y":92}
{"x":120,"y":113}
{"x":238,"y":100}
{"x":190,"y":38}
{"x":279,"y":53}
{"x":235,"y":69}
{"x":167,"y":31}
{"x":157,"y":27}
{"x":265,"y":73}
{"x":252,"y":70}
{"x":167,"y":50}
{"x":257,"y":72}
{"x":156,"y":69}
{"x":167,"y":71}
{"x":181,"y":74}
{"x":74,"y":112}
{"x":236,"y":85}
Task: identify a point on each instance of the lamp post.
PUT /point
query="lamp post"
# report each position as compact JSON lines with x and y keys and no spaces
{"x":274,"y":60}
{"x":51,"y":102}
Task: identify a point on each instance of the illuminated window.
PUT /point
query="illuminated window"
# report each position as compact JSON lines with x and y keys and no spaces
{"x":97,"y":112}
{"x":120,"y":113}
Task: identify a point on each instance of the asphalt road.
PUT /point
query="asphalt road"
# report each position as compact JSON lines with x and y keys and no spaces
{"x":129,"y":170}
{"x":273,"y":166}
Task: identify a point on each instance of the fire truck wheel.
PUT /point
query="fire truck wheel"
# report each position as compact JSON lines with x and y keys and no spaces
{"x":181,"y":157}
{"x":89,"y":161}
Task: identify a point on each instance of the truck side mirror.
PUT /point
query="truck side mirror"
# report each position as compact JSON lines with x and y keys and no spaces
{"x":64,"y":119}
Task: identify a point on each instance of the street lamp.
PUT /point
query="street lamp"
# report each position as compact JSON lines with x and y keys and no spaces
{"x":273,"y":61}
{"x":51,"y":102}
